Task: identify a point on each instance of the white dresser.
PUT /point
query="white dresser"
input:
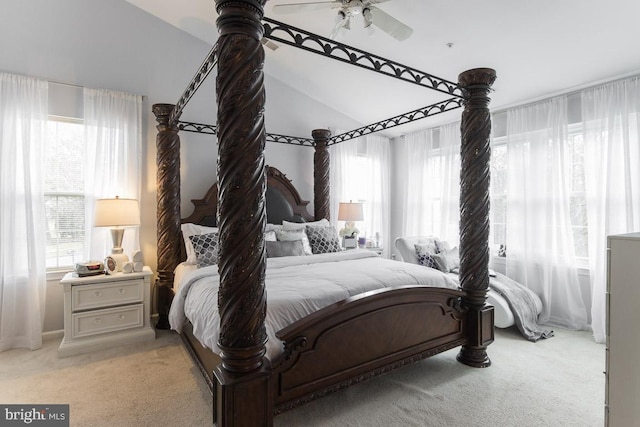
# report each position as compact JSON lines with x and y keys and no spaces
{"x":622,"y":390}
{"x":106,"y":310}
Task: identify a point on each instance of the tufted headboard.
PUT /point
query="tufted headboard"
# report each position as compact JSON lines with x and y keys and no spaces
{"x":283,"y":203}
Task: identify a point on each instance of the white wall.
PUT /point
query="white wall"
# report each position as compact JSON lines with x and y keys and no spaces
{"x":114,"y":45}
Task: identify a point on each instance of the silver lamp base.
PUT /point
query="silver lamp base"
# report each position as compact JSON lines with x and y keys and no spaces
{"x":117,"y":253}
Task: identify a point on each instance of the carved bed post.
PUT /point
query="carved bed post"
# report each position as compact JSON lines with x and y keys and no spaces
{"x":168,"y":210}
{"x":242,"y":394}
{"x":321,"y":169}
{"x":474,"y":214}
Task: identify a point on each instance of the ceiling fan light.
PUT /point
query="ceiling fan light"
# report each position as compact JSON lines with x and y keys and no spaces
{"x":368,"y":17}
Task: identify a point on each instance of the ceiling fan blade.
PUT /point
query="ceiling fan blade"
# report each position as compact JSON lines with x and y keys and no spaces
{"x":390,"y":25}
{"x":268,"y":43}
{"x":285,"y":9}
{"x":341,"y":23}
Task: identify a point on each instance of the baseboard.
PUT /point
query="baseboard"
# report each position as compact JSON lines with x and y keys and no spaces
{"x":51,"y":335}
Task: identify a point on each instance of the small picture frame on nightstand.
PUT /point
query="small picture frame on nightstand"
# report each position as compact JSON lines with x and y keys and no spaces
{"x":110,"y":265}
{"x":349,"y":242}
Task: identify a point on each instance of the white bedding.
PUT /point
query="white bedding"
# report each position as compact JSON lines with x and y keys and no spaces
{"x":296,"y":287}
{"x":178,"y":274}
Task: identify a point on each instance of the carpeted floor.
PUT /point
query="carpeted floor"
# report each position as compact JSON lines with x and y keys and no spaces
{"x":555,"y":382}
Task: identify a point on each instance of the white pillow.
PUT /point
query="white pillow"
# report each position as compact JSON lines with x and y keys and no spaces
{"x":286,"y":225}
{"x":291,"y":235}
{"x":273,"y":227}
{"x":270,"y":236}
{"x":190,"y":229}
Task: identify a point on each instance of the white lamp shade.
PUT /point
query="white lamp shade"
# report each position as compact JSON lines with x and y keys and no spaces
{"x":350,"y":212}
{"x":117,"y":213}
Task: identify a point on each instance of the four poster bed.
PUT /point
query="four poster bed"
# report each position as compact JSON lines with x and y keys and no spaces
{"x":369,"y":330}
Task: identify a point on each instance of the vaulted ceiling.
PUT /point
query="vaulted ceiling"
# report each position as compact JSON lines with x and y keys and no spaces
{"x":538,"y":48}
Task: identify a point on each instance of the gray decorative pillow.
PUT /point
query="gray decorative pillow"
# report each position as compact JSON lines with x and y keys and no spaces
{"x":206,"y":248}
{"x":447,"y":261}
{"x":292,"y":235}
{"x":323,"y":239}
{"x":284,"y":248}
{"x":442,"y":246}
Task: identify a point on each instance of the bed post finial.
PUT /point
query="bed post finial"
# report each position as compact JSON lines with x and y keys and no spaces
{"x":321,"y":169}
{"x":168,"y":208}
{"x":242,"y":379}
{"x":474,"y":214}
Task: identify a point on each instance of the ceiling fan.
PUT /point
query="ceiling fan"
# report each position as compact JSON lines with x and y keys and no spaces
{"x":348,"y":9}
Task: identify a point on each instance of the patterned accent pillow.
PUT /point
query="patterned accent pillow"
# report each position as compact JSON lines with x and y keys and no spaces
{"x":206,"y":248}
{"x":425,"y":255}
{"x":288,"y":236}
{"x":188,"y":230}
{"x":284,"y":248}
{"x":323,"y":239}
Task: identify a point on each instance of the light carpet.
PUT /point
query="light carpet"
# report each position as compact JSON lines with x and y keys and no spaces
{"x":554,"y":382}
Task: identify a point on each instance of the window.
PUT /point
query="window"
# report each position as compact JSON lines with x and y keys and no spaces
{"x":498,"y":190}
{"x":577,"y":203}
{"x":64,"y":192}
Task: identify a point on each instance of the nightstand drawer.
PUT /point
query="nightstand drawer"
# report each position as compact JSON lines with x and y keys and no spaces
{"x":108,"y":294}
{"x":108,"y":320}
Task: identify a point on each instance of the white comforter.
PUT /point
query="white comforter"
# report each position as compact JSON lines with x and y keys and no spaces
{"x":296,"y":287}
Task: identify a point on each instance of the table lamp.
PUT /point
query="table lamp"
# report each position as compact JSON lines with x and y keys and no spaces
{"x":117,"y":213}
{"x":350,"y":212}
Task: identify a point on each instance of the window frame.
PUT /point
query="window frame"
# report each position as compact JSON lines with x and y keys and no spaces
{"x":58,"y":271}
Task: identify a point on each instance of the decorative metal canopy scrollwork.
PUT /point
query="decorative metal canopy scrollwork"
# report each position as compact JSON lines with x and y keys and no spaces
{"x":310,"y":42}
{"x":207,"y":66}
{"x":271,"y":137}
{"x":305,"y":40}
{"x":421,"y":113}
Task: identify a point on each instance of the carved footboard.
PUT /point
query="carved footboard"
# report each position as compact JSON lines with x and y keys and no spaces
{"x":364,"y":336}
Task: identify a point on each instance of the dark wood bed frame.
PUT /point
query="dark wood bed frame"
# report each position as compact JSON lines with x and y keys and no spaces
{"x":347,"y":342}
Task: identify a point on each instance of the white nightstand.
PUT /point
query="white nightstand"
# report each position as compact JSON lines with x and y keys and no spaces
{"x":375,"y":249}
{"x":106,"y":310}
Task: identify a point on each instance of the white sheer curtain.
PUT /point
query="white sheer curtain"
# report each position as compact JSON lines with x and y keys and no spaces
{"x":611,"y":116}
{"x":449,"y":225}
{"x":374,"y":180}
{"x":359,"y":170}
{"x":432,"y":181}
{"x":23,"y":119}
{"x":343,"y":158}
{"x":113,"y":130}
{"x":417,"y":212}
{"x":540,"y":247}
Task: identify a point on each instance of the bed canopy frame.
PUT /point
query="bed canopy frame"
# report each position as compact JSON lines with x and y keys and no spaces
{"x":249,"y":389}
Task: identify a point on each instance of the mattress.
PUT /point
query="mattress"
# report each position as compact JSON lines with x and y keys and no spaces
{"x":296,"y":287}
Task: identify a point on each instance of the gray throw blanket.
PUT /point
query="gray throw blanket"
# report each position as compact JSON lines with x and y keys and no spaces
{"x":522,"y":303}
